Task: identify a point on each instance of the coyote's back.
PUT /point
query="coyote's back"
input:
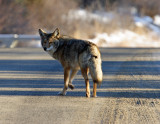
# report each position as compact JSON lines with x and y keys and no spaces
{"x":74,"y":54}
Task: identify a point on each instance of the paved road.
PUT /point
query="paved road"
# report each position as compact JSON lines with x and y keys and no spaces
{"x":30,"y":80}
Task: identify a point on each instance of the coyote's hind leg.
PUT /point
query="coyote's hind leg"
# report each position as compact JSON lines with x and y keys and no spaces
{"x":85,"y":75}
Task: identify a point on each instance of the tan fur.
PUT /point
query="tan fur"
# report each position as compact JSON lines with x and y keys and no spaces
{"x":74,"y":54}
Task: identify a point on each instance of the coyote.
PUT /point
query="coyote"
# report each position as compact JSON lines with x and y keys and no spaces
{"x":74,"y":54}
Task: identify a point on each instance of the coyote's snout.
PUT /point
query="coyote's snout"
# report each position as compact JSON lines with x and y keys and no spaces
{"x":74,"y":54}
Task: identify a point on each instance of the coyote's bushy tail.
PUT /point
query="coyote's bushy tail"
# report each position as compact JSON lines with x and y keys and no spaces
{"x":95,"y":66}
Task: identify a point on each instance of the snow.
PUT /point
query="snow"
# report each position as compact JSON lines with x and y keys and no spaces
{"x":157,"y":20}
{"x":121,"y":37}
{"x":84,"y":15}
{"x":124,"y":38}
{"x":147,"y":22}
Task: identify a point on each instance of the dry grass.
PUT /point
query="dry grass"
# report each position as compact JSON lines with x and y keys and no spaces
{"x":26,"y":16}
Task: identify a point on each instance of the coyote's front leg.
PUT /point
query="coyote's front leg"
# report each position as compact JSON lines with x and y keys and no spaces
{"x":66,"y":80}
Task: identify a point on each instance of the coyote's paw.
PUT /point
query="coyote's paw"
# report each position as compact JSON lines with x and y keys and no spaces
{"x":88,"y":94}
{"x":94,"y":96}
{"x":71,"y":86}
{"x":62,"y":93}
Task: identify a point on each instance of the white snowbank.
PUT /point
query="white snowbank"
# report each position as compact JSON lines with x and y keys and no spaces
{"x":121,"y":37}
{"x":125,"y":38}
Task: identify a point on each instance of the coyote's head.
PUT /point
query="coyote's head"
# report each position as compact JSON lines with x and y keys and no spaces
{"x":49,"y":41}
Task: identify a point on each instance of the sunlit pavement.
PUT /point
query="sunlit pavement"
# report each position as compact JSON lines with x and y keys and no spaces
{"x":30,"y":81}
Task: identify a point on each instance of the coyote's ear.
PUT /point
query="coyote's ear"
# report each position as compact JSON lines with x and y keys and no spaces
{"x":56,"y":33}
{"x":41,"y":32}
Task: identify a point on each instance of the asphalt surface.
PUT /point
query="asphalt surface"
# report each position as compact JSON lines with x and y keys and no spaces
{"x":30,"y":81}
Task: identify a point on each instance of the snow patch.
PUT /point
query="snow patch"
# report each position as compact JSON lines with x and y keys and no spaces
{"x":84,"y":15}
{"x":157,"y":20}
{"x":121,"y":37}
{"x":124,"y":38}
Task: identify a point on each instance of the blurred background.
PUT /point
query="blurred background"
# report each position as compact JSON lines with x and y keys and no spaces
{"x":108,"y":23}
